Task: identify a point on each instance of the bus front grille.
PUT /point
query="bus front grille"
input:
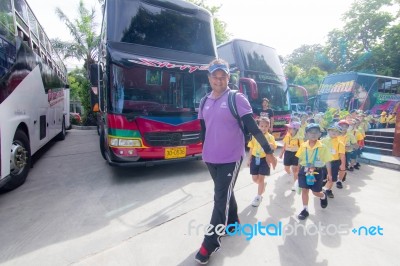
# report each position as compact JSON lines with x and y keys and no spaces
{"x":171,"y":139}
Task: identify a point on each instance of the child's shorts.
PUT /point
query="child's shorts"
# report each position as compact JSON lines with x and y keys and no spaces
{"x":262,"y":169}
{"x":335,"y":165}
{"x":317,"y":187}
{"x":350,"y":155}
{"x":289,"y":158}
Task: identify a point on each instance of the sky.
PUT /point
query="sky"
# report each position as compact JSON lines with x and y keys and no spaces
{"x":282,"y":24}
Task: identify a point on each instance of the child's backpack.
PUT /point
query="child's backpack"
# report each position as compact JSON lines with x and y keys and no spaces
{"x":234,"y":112}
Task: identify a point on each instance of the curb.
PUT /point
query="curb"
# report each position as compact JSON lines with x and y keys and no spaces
{"x":380,"y":163}
{"x":84,"y":127}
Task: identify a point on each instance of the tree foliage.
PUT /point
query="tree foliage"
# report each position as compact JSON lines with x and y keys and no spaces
{"x":80,"y":87}
{"x":220,"y":31}
{"x":368,"y":42}
{"x":84,"y":33}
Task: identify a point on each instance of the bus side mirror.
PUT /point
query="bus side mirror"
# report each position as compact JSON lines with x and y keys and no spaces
{"x":94,"y":74}
{"x":248,"y":87}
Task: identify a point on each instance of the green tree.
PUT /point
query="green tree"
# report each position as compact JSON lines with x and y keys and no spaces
{"x":80,"y":88}
{"x":292,"y":72}
{"x":221,"y":34}
{"x":85,"y":37}
{"x":390,"y":52}
{"x":305,"y":56}
{"x":352,"y":49}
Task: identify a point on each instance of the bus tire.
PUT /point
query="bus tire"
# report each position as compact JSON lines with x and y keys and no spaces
{"x":102,"y":145}
{"x":63,"y":133}
{"x":20,"y":161}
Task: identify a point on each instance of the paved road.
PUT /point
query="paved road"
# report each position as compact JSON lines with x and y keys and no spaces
{"x":74,"y":209}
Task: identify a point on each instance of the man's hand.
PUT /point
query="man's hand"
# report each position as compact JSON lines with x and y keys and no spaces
{"x":271,"y":160}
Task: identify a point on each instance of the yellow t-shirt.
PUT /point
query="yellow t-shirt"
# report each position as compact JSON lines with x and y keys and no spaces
{"x":292,"y":143}
{"x":383,"y":119}
{"x":302,"y":131}
{"x":335,"y":145}
{"x":256,"y":147}
{"x":324,"y":154}
{"x":358,"y":134}
{"x":391,"y":119}
{"x":349,"y":140}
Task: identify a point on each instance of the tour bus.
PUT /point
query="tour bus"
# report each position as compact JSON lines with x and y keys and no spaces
{"x":256,"y":71}
{"x":299,"y":104}
{"x":151,"y":75}
{"x":354,"y":90}
{"x":32,"y":91}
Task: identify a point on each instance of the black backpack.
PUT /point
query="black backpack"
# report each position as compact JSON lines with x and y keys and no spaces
{"x":234,"y":112}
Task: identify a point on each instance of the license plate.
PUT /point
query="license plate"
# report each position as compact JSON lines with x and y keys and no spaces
{"x":171,"y":153}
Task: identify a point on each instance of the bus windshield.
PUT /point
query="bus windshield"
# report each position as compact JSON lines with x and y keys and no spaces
{"x":274,"y":93}
{"x":146,"y":91}
{"x":261,"y":58}
{"x":160,"y":26}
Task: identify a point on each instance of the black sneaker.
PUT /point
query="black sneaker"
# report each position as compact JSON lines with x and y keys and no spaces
{"x":303,"y":215}
{"x":351,"y":169}
{"x":357,"y":167}
{"x":202,"y":256}
{"x":324,"y":202}
{"x":329,"y":193}
{"x":339,"y":184}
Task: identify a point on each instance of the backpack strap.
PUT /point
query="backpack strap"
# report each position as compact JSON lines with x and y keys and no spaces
{"x":233,"y":108}
{"x":232,"y":103}
{"x":203,"y":101}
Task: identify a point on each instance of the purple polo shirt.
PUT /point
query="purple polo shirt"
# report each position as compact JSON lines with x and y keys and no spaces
{"x":224,"y":142}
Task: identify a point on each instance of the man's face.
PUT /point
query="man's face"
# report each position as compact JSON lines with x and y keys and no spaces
{"x":218,"y":80}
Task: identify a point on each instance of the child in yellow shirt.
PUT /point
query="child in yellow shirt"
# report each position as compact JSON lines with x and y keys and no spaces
{"x":391,"y":120}
{"x":359,"y":134}
{"x":257,"y":159}
{"x":338,"y":163}
{"x":291,"y":143}
{"x":313,"y":157}
{"x":349,"y":140}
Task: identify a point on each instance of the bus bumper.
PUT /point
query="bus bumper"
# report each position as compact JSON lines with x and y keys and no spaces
{"x":153,"y":162}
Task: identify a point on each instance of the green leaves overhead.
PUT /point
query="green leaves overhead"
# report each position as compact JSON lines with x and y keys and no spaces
{"x":368,"y":42}
{"x":83,"y":31}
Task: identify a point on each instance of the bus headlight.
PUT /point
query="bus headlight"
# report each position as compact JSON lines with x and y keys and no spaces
{"x":115,"y":142}
{"x":129,"y":143}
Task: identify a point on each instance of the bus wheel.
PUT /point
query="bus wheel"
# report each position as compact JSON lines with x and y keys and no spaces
{"x":63,"y":133}
{"x":20,"y":161}
{"x":102,"y":145}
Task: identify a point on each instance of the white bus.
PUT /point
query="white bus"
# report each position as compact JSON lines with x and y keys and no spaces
{"x":33,"y":83}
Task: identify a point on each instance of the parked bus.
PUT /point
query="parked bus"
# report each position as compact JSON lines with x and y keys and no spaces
{"x":150,"y":78}
{"x":32,"y":82}
{"x":299,"y":104}
{"x":257,"y":72}
{"x":354,"y":90}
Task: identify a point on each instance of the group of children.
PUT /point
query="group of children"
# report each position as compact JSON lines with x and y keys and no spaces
{"x":316,"y":163}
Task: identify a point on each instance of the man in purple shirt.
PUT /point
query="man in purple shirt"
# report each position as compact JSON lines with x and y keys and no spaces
{"x":223,"y":150}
